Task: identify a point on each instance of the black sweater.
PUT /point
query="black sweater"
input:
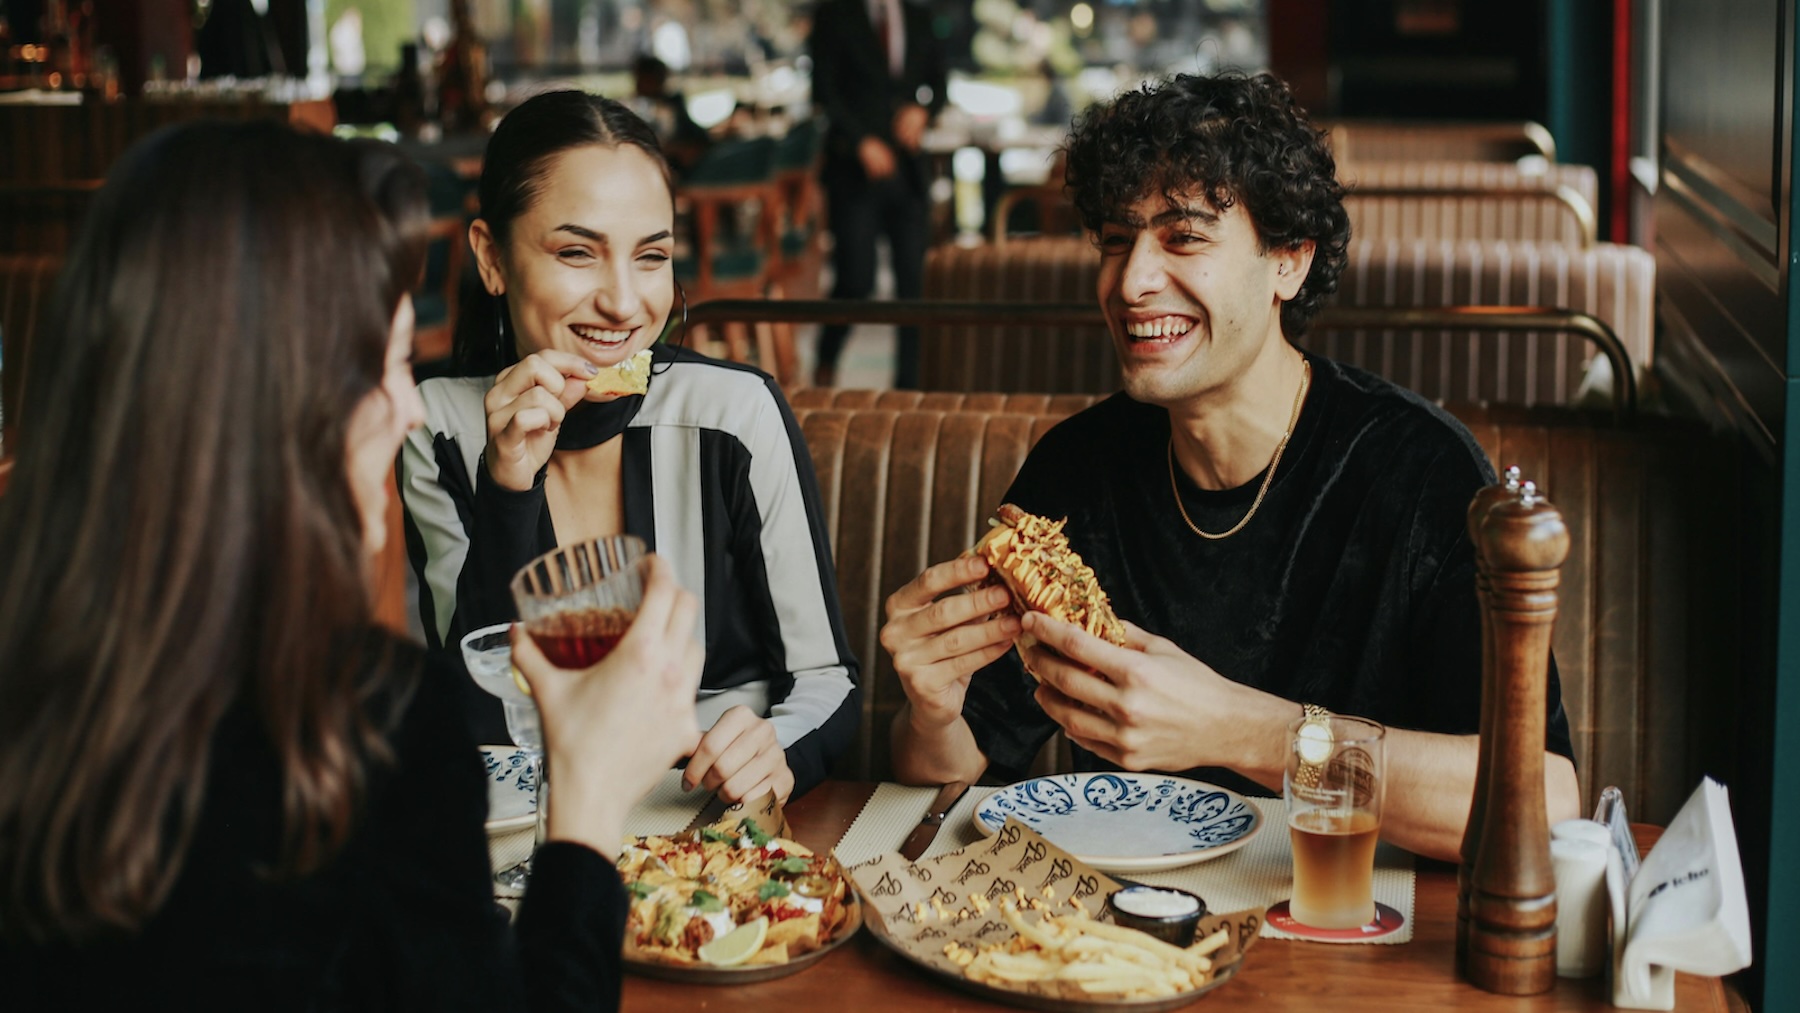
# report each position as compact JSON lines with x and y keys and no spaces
{"x":1353,"y":587}
{"x":403,"y":918}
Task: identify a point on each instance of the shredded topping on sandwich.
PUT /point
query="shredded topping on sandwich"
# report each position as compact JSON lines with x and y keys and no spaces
{"x":1032,"y":555}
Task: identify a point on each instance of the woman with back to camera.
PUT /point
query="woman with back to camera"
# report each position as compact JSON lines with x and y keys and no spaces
{"x":221,"y":786}
{"x":575,"y":246}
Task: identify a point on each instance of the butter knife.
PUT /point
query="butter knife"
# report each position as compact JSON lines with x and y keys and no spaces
{"x":923,"y":834}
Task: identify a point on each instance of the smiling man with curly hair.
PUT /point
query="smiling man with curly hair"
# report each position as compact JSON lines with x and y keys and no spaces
{"x":1277,"y":529}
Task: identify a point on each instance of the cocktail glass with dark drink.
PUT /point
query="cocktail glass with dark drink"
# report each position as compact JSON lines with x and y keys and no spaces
{"x":578,"y":600}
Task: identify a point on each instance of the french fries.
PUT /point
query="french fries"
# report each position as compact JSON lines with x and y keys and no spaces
{"x":1079,"y":956}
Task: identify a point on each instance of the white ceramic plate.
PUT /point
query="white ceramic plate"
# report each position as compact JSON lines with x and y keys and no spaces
{"x":512,"y":781}
{"x":1119,"y":822}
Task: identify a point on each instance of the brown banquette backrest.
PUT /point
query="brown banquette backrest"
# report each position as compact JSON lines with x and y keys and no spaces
{"x":1471,"y":200}
{"x":908,"y":479}
{"x":1529,"y":201}
{"x":1370,"y":140}
{"x":1613,"y":283}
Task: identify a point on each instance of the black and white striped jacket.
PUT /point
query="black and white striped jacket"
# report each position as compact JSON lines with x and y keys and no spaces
{"x":717,"y":480}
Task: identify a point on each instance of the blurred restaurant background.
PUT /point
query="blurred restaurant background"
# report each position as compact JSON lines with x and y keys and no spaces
{"x":1627,"y":162}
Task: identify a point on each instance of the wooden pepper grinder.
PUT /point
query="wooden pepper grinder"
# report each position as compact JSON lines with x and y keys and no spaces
{"x":1485,"y":500}
{"x":1512,"y":896}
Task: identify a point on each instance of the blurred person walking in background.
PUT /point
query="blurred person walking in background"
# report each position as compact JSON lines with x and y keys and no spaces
{"x":878,"y":73}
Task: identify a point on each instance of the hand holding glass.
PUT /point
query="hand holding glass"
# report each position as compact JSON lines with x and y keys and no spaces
{"x":1333,"y":787}
{"x":577,"y":601}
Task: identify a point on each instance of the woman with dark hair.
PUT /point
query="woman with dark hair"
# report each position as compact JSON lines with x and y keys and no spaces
{"x":519,"y":454}
{"x":221,"y":786}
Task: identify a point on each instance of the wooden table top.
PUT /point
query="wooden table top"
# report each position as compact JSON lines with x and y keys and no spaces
{"x":1277,"y":974}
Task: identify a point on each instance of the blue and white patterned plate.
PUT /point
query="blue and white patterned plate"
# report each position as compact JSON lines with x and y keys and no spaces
{"x":1127,"y":822}
{"x":512,"y":781}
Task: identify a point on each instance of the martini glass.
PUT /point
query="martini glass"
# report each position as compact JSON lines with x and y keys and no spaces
{"x":487,"y":653}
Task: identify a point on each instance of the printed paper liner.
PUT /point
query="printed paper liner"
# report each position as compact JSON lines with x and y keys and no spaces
{"x":1015,"y":858}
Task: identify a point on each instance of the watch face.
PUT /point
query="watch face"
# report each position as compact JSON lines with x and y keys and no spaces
{"x":1313,"y":741}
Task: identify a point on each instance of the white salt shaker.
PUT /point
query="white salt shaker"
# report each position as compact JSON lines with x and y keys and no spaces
{"x":1578,"y":858}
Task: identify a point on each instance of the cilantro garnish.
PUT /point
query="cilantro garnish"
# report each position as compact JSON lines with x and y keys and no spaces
{"x":772,"y":889}
{"x":706,"y":902}
{"x":792,"y":866}
{"x":639,"y":889}
{"x":715,"y":836}
{"x":749,"y":829}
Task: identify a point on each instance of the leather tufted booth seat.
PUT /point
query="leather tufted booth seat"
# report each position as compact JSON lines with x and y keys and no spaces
{"x":909,"y":479}
{"x":1613,"y":283}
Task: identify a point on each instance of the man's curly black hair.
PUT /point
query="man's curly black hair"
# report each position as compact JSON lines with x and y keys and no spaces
{"x":1232,"y":139}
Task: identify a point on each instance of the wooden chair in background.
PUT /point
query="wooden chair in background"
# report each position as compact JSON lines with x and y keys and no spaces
{"x":435,"y":301}
{"x":801,"y":217}
{"x":730,"y":200}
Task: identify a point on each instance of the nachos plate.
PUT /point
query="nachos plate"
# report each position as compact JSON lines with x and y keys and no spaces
{"x":693,"y":888}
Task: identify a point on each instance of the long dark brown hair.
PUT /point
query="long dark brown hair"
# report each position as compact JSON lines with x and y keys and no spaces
{"x":513,"y":171}
{"x":180,"y":538}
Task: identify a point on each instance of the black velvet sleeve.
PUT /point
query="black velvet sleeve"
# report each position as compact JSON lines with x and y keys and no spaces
{"x":572,"y":929}
{"x":505,"y":535}
{"x":453,"y":950}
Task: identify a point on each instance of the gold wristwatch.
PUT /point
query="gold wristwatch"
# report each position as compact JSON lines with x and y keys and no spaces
{"x":1312,"y":743}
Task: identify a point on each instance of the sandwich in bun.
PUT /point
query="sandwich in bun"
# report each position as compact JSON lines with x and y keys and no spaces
{"x":1031,"y":557}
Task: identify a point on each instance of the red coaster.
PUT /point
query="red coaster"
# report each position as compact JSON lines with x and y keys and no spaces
{"x":1387,"y":922}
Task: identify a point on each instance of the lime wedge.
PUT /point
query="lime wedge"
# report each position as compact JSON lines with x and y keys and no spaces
{"x":518,"y":678}
{"x":736,"y":946}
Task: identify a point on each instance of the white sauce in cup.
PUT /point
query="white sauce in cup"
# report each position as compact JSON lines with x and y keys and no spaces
{"x":1149,"y":902}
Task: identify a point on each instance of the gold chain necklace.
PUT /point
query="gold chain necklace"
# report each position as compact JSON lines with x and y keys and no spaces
{"x":1268,"y":478}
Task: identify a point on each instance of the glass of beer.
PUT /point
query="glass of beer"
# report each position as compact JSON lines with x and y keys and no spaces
{"x":577,"y":601}
{"x":1333,"y":787}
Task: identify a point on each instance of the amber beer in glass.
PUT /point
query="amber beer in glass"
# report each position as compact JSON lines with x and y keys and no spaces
{"x":577,"y":601}
{"x":1333,"y":788}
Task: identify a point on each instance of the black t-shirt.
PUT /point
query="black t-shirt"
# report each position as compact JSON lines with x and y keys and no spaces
{"x":1353,"y":587}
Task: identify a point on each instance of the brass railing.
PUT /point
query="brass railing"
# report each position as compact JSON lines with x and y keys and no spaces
{"x":915,"y":313}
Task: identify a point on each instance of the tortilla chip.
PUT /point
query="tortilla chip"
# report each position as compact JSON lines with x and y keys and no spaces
{"x":796,"y":931}
{"x":776,"y":954}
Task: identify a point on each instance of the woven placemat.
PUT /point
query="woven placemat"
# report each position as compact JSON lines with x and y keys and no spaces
{"x":889,"y":815}
{"x":1259,"y":874}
